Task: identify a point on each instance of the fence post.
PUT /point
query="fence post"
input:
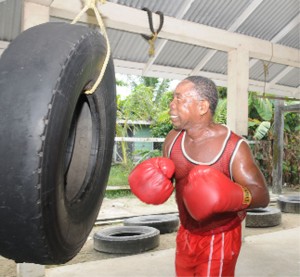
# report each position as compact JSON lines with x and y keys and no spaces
{"x":278,"y":147}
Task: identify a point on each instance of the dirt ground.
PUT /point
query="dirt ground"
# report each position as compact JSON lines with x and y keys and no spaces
{"x":112,"y":212}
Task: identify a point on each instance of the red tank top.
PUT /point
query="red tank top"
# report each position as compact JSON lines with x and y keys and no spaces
{"x":184,"y":164}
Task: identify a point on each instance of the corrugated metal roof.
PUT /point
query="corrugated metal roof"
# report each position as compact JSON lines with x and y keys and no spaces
{"x":293,"y":78}
{"x":264,"y":19}
{"x":187,"y":55}
{"x":292,"y":38}
{"x":217,"y":64}
{"x":216,"y":13}
{"x":270,"y":18}
{"x":258,"y":72}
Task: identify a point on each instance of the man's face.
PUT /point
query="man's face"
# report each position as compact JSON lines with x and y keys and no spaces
{"x":184,"y":106}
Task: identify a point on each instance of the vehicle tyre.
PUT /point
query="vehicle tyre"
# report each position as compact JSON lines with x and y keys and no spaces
{"x":289,"y":203}
{"x":126,"y":239}
{"x":164,"y":223}
{"x":56,"y":142}
{"x":263,"y":217}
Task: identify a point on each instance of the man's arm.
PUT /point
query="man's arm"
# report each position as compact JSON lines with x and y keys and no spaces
{"x":246,"y":173}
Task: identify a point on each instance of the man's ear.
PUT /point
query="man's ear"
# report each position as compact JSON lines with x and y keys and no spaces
{"x":203,"y":107}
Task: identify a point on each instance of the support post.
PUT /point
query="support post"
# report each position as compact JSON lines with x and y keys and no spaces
{"x":278,"y":147}
{"x":237,"y":92}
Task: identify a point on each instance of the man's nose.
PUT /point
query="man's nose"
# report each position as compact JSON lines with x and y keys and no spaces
{"x":172,"y":104}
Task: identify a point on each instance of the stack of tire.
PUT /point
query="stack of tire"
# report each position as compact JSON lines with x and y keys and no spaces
{"x":139,"y":234}
{"x":271,"y":216}
{"x":289,"y":203}
{"x":263,"y":217}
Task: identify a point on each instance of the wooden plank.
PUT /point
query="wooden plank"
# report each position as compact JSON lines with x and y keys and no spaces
{"x":134,"y":139}
{"x":291,"y":108}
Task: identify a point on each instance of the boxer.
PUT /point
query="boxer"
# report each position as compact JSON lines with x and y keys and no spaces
{"x":216,"y":180}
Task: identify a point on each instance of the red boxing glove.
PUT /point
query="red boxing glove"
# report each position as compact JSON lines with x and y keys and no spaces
{"x":209,"y":192}
{"x":150,"y":180}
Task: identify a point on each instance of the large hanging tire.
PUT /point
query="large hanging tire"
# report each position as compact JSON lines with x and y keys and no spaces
{"x":126,"y":239}
{"x":56,"y":142}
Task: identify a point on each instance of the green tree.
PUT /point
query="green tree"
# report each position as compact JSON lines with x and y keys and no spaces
{"x":142,"y":103}
{"x":162,"y":125}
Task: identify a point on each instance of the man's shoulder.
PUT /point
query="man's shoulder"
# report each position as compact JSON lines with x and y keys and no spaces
{"x":169,"y":139}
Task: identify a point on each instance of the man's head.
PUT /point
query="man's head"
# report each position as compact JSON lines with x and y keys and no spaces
{"x":206,"y":89}
{"x":195,"y":99}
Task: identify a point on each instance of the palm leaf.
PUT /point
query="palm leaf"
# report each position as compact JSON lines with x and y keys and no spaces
{"x":262,"y":130}
{"x":264,"y":108}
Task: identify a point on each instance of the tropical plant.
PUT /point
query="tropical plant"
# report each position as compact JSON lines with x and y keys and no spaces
{"x":143,"y":103}
{"x":260,"y":116}
{"x":221,"y":111}
{"x":161,"y":125}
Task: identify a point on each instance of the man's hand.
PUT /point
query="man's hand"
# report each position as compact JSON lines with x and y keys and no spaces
{"x":151,"y":181}
{"x":209,"y":192}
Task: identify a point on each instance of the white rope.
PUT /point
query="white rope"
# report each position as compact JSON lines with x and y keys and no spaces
{"x":91,"y":4}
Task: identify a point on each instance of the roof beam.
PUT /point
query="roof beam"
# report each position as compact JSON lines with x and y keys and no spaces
{"x":41,"y":2}
{"x":134,"y":68}
{"x":293,"y":23}
{"x":134,"y":20}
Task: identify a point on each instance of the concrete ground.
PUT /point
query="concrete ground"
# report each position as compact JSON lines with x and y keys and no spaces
{"x":274,"y":254}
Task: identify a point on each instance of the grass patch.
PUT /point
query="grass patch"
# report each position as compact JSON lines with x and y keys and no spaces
{"x":118,"y":175}
{"x":113,"y":194}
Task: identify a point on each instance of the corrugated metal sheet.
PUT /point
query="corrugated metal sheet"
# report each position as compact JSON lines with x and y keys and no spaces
{"x":128,"y":46}
{"x":216,"y":13}
{"x":291,"y":79}
{"x":257,"y":72}
{"x":217,"y":64}
{"x":187,"y":55}
{"x":292,"y":38}
{"x":270,"y":18}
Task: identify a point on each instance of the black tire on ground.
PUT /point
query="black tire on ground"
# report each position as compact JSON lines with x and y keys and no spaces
{"x":263,"y":217}
{"x":164,"y":223}
{"x":56,"y":142}
{"x":289,"y":203}
{"x":126,"y":239}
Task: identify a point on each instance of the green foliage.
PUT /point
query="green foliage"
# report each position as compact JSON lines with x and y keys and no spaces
{"x":222,"y":92}
{"x":139,"y":104}
{"x":221,"y":112}
{"x":292,"y":120}
{"x":161,"y":122}
{"x":260,"y":116}
{"x":146,"y":154}
{"x":118,"y":174}
{"x":262,"y":130}
{"x":114,"y":194}
{"x":145,"y":102}
{"x":263,"y":107}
